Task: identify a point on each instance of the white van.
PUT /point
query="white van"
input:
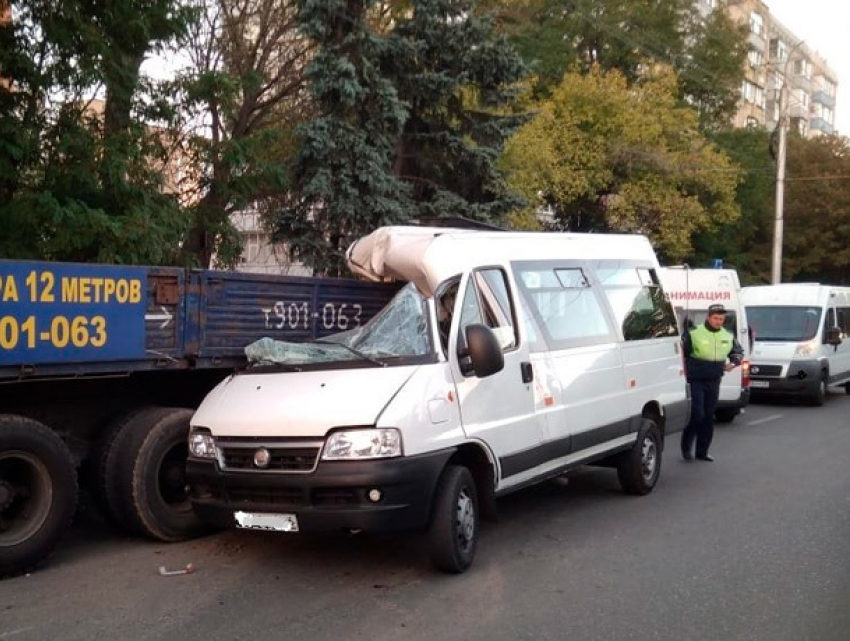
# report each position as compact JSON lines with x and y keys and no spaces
{"x":801,"y":344}
{"x":691,"y":291}
{"x":507,"y":359}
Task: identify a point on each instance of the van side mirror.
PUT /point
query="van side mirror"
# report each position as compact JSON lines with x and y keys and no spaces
{"x":483,"y":354}
{"x":833,"y":336}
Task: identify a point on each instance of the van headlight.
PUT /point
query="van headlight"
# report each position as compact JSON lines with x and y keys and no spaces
{"x":362,"y":444}
{"x":201,"y":443}
{"x":808,"y":349}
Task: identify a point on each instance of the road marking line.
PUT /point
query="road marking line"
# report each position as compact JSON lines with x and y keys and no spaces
{"x":766,"y":419}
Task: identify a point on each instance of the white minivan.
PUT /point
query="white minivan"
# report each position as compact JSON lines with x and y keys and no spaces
{"x":507,"y":359}
{"x":801,"y":344}
{"x":691,"y":291}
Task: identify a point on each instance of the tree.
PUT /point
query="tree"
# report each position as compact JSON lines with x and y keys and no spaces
{"x":79,"y":182}
{"x":746,"y":243}
{"x":343,"y":184}
{"x":241,"y":99}
{"x":606,"y":156}
{"x":459,"y":81}
{"x":817,"y":211}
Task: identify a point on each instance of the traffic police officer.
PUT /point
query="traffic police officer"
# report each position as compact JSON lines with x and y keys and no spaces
{"x":707,"y":349}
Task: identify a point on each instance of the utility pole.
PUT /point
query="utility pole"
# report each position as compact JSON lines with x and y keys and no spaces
{"x":779,"y":217}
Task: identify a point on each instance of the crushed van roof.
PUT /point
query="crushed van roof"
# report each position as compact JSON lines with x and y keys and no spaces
{"x":427,"y":256}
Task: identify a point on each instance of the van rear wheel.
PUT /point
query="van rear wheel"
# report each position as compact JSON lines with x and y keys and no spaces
{"x":726,"y":415}
{"x":639,"y":468}
{"x":453,"y":533}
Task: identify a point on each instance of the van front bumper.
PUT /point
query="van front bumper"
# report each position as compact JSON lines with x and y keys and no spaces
{"x":335,"y":496}
{"x":803,"y":379}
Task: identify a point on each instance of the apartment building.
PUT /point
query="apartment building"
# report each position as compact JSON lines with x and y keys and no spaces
{"x":777,"y":56}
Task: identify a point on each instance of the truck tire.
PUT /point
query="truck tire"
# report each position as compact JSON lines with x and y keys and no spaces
{"x":38,"y":493}
{"x":638,"y":468}
{"x":145,"y":475}
{"x":453,"y":533}
{"x":98,"y":474}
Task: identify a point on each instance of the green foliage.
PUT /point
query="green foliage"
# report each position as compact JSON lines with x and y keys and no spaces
{"x":344,"y":185}
{"x":817,"y":211}
{"x":460,"y":84}
{"x":606,"y":156}
{"x":744,"y":244}
{"x":708,"y":55}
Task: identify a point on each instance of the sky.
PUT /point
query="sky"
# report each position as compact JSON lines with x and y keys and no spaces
{"x":824,"y":25}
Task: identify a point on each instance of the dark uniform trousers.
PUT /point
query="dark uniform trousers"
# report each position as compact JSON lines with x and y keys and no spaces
{"x":704,"y":395}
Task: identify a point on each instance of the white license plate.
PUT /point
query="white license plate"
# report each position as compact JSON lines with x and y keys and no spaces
{"x":266,"y":521}
{"x":761,"y":384}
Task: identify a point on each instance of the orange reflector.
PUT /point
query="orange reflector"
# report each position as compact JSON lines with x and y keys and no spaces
{"x":633,"y":383}
{"x":548,"y":401}
{"x":451,"y":397}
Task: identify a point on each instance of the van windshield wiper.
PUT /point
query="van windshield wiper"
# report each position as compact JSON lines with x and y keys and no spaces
{"x":357,"y":353}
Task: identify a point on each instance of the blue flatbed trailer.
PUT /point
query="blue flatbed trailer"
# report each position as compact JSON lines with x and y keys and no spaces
{"x":100,"y":369}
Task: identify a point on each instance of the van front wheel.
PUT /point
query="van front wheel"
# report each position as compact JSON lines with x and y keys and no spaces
{"x":638,"y":468}
{"x":453,"y":533}
{"x":818,"y":397}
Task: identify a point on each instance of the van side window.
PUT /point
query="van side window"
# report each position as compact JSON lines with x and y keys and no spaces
{"x":844,"y":321}
{"x":564,"y":305}
{"x":637,"y":300}
{"x":487,"y":301}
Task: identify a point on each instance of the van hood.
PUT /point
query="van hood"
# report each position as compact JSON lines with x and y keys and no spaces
{"x":299,"y":403}
{"x":773,"y":352}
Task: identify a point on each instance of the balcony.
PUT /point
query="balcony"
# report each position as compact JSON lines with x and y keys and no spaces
{"x":819,"y":124}
{"x":824,"y":98}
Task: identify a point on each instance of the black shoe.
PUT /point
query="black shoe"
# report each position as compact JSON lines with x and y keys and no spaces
{"x":707,"y":457}
{"x":687,"y":456}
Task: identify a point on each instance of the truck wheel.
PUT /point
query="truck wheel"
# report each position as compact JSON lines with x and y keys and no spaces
{"x":38,"y":493}
{"x":98,"y":468}
{"x":638,"y":469}
{"x":146,"y":475}
{"x":726,"y":415}
{"x":453,"y":534}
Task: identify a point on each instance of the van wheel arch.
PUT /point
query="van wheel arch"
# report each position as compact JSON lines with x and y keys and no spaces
{"x":475,"y":459}
{"x":652,"y":411}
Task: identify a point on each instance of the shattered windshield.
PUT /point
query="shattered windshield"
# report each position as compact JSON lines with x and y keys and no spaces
{"x":399,"y":330}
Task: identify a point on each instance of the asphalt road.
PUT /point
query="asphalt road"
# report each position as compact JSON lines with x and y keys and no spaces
{"x":753,"y":546}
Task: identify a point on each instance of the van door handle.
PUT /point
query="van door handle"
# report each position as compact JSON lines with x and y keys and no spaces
{"x":527,"y":372}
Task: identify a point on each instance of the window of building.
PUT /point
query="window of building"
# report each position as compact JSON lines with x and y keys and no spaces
{"x":803,"y":98}
{"x":829,"y":88}
{"x":711,"y":4}
{"x":778,"y":50}
{"x":803,"y":68}
{"x":637,"y":300}
{"x":564,"y":305}
{"x":756,"y":23}
{"x":755,"y":58}
{"x":752,"y":122}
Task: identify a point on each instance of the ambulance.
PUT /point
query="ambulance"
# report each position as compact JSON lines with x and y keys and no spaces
{"x":691,"y":291}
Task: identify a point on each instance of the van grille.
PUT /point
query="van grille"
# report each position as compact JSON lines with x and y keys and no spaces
{"x":284,"y":458}
{"x":757,"y":371}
